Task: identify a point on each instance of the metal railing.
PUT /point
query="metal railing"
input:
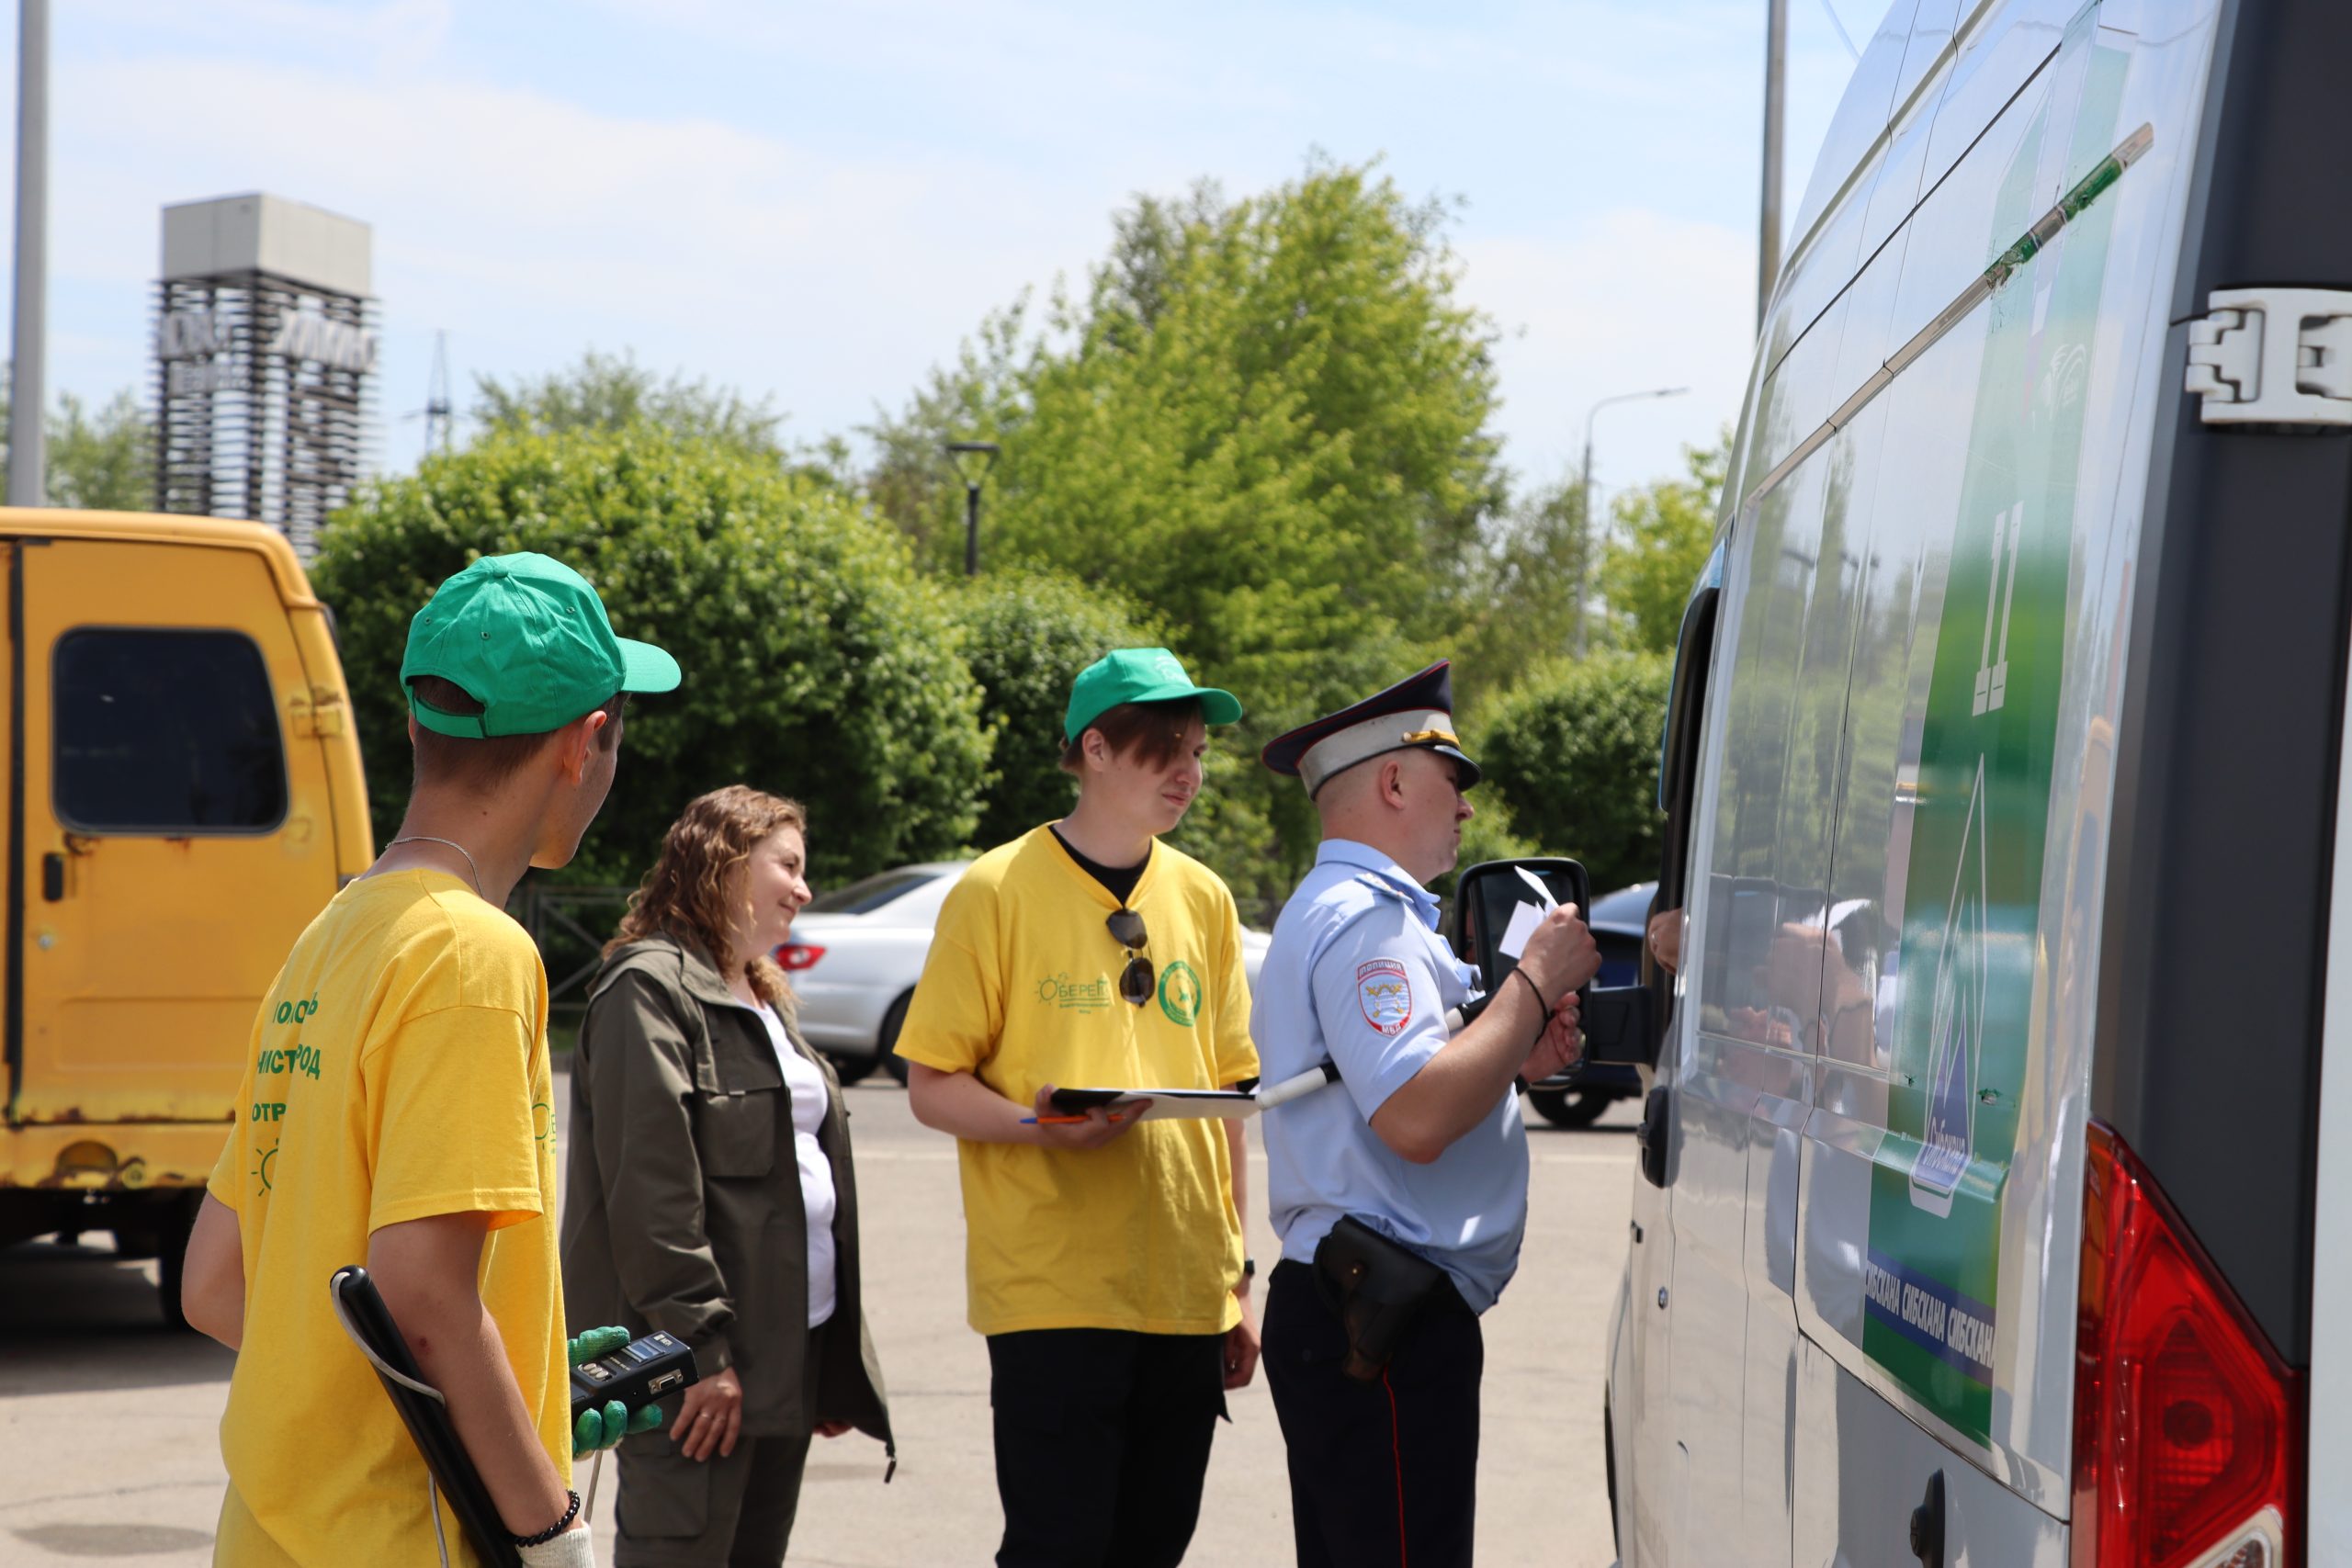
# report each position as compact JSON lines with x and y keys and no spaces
{"x":571,"y":924}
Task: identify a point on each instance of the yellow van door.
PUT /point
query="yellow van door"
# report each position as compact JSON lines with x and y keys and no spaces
{"x":176,"y":832}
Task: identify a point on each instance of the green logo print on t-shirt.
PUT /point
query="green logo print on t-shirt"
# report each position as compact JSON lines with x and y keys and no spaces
{"x":1180,"y":993}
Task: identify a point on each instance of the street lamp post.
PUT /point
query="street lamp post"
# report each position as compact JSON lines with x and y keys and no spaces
{"x":1776,"y":94}
{"x":962,"y":454}
{"x":29,"y":355}
{"x":1592,"y":537}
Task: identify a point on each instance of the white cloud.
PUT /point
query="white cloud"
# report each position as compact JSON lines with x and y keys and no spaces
{"x":829,"y":259}
{"x":532,"y":227}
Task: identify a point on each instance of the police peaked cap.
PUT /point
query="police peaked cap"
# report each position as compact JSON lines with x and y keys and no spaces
{"x":1417,"y":712}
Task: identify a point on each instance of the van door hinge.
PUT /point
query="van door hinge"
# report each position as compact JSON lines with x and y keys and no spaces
{"x":2277,"y":357}
{"x":315,"y":712}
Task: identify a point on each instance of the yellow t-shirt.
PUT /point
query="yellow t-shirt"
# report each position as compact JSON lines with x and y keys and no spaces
{"x":1021,"y":989}
{"x":398,"y":1070}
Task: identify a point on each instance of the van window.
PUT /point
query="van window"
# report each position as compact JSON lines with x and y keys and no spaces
{"x":168,"y":732}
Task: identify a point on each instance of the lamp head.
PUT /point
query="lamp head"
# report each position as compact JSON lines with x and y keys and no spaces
{"x":972,"y":459}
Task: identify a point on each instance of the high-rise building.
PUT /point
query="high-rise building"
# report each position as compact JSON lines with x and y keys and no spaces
{"x":266,"y":344}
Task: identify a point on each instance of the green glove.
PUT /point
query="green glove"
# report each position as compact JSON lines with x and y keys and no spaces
{"x":605,"y":1429}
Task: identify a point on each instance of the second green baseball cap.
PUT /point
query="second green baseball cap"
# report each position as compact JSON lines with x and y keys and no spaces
{"x":525,"y":636}
{"x":1139,"y":675}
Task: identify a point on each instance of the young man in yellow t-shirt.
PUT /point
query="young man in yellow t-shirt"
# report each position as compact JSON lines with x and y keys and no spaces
{"x":1104,"y":1258}
{"x":397,"y":1112}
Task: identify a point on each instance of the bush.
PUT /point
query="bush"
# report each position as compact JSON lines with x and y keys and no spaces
{"x":1573,"y":754}
{"x":817,"y":665}
{"x":1027,"y":635}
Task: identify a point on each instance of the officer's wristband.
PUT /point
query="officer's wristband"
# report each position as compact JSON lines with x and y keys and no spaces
{"x":1537,"y":992}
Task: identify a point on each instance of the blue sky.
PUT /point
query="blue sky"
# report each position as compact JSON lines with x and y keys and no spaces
{"x":817,"y":203}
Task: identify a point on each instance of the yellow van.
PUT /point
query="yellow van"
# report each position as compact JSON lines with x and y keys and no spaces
{"x":182,"y":794}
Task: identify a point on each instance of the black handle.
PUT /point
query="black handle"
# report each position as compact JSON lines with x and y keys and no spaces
{"x":1928,"y":1525}
{"x":53,"y":876}
{"x":1616,"y":1023}
{"x":1652,"y":1135}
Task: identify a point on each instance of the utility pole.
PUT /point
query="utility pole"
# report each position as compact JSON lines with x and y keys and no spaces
{"x":28,"y":452}
{"x":1776,"y":77}
{"x":440,"y":413}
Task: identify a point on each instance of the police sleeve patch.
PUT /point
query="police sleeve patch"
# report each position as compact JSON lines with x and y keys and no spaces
{"x":1385,"y":994}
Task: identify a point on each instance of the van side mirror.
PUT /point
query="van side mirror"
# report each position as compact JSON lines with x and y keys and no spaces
{"x":1487,"y":898}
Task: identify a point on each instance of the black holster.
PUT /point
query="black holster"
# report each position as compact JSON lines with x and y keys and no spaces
{"x":1377,"y":1286}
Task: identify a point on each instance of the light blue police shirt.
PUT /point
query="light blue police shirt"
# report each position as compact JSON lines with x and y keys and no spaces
{"x":1358,"y":974}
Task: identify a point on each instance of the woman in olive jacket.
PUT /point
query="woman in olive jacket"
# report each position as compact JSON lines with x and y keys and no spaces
{"x":711,"y":1193}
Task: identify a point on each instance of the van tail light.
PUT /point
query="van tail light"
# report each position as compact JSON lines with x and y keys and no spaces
{"x":798,"y":955}
{"x":2187,"y":1427}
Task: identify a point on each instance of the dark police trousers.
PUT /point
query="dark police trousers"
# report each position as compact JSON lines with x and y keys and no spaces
{"x":1386,"y":1473}
{"x":1102,"y":1443}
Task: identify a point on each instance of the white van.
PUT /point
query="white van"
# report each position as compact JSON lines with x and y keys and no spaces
{"x":1989,"y":1135}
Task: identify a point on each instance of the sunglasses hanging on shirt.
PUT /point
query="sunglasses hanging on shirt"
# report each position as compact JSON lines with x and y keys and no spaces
{"x":1138,"y":980}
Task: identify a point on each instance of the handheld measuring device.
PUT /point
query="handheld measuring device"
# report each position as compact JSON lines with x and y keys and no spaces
{"x":638,"y":1373}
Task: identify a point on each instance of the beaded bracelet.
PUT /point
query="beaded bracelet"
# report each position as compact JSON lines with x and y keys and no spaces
{"x":556,"y":1528}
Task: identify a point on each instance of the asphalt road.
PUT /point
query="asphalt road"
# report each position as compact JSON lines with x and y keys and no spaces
{"x":108,"y":1450}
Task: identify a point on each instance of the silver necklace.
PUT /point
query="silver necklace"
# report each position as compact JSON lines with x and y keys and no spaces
{"x":428,"y":838}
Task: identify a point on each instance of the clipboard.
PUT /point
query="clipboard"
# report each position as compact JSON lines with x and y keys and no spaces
{"x":1167,"y":1104}
{"x":360,"y":1308}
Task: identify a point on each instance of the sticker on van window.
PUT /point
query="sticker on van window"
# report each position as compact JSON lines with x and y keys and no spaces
{"x":1955,"y":1023}
{"x":1971,"y":937}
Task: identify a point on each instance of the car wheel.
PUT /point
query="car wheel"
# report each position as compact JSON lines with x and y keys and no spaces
{"x":850,"y":1069}
{"x":172,"y":1258}
{"x":1569,"y":1106}
{"x":886,"y":1044}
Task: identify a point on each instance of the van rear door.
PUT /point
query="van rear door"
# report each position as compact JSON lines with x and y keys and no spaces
{"x":177,"y":833}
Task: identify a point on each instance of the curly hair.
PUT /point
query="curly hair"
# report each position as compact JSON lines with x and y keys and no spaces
{"x":685,"y":896}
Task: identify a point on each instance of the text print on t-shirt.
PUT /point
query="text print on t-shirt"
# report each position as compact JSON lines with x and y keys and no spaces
{"x":1079,"y":996}
{"x":281,"y":1061}
{"x":1387,"y":994}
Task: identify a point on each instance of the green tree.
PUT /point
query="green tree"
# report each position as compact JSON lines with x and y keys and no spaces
{"x":1027,"y":635}
{"x":1663,"y":532}
{"x":980,"y":398}
{"x":103,"y":460}
{"x":1263,"y":420}
{"x":1270,"y":427}
{"x":1573,"y":755}
{"x":1525,"y":612}
{"x":607,"y":391}
{"x":817,"y":664}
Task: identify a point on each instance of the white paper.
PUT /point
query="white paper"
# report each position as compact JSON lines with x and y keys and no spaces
{"x":1523,"y":921}
{"x":1542,"y":894}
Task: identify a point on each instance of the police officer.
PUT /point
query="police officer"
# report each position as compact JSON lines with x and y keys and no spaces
{"x":1404,"y":1186}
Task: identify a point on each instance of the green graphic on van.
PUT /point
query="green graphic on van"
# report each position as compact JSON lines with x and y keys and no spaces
{"x":1180,"y":993}
{"x":1974,"y":883}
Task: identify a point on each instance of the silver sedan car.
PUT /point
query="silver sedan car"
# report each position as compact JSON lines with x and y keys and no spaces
{"x":857,"y":952}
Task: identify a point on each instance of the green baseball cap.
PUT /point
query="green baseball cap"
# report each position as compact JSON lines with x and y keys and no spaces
{"x":1138,"y":675}
{"x":525,"y":636}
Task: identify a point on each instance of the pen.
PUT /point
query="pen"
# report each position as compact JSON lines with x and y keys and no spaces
{"x":1054,"y":1121}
